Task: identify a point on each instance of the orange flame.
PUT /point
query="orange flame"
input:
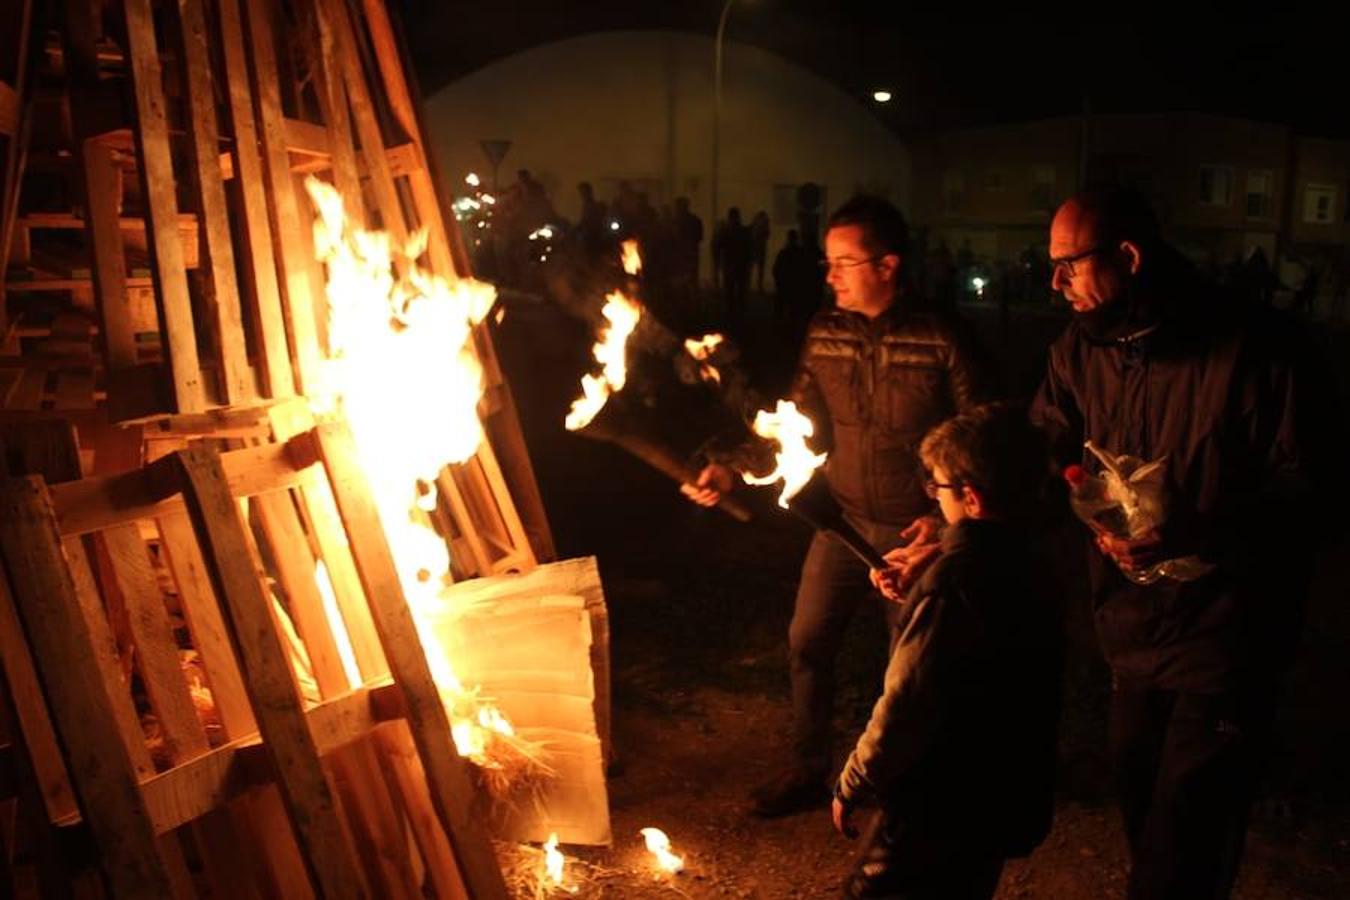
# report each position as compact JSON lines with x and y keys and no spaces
{"x":553,"y":860}
{"x":387,"y":335}
{"x":611,"y":351}
{"x":659,"y":845}
{"x":701,"y":349}
{"x":632,"y":260}
{"x":795,"y":461}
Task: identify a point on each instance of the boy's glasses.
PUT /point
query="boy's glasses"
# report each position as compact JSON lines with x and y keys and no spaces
{"x":932,"y":487}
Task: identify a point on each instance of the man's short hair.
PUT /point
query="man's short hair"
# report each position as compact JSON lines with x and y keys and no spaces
{"x":884,"y":227}
{"x":996,"y":450}
{"x":1121,"y":214}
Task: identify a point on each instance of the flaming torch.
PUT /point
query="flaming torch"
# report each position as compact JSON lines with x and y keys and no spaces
{"x":796,"y":467}
{"x":611,"y":351}
{"x":702,"y":350}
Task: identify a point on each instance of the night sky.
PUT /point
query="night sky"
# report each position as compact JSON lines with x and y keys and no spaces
{"x":954,"y":65}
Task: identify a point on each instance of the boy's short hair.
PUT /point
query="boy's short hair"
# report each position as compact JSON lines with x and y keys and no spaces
{"x":996,"y":450}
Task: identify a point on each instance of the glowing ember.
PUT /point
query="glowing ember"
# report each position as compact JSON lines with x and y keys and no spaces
{"x":701,"y":350}
{"x":390,"y":333}
{"x":553,"y":860}
{"x":659,"y":845}
{"x":632,"y":260}
{"x":795,"y":461}
{"x":611,"y":352}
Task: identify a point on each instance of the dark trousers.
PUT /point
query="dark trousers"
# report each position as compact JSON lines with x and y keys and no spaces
{"x":833,"y":587}
{"x":1187,"y":767}
{"x":902,"y":861}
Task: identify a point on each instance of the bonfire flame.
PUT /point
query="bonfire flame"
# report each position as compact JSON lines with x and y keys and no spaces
{"x":611,"y":352}
{"x":632,"y":259}
{"x":659,"y":845}
{"x":553,"y":860}
{"x":387,"y":335}
{"x":795,"y":461}
{"x":702,"y":349}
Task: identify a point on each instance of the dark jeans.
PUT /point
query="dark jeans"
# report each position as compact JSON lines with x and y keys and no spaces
{"x":1187,"y":767}
{"x":903,"y":861}
{"x":833,"y":587}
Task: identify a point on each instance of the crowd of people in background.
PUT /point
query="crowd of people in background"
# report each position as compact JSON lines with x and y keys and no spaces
{"x":522,"y":231}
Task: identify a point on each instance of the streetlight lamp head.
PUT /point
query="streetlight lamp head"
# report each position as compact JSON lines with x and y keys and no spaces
{"x":881,"y":96}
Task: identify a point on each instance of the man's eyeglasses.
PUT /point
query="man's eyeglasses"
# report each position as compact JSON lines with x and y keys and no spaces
{"x":1066,"y":262}
{"x":931,"y":487}
{"x":846,"y":263}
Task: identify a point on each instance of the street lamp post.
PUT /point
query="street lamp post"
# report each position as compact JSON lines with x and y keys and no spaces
{"x":717,"y":122}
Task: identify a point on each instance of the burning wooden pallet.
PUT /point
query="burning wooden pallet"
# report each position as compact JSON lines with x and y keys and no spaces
{"x":330,"y":796}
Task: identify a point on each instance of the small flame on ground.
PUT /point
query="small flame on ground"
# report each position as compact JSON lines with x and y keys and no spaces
{"x":701,"y":349}
{"x":795,"y":461}
{"x":611,"y":352}
{"x":659,"y":845}
{"x":632,"y":259}
{"x":553,"y":860}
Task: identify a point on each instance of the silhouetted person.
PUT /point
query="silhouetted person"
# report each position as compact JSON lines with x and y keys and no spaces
{"x":687,"y":230}
{"x":759,"y":246}
{"x":592,"y":227}
{"x":735,"y":251}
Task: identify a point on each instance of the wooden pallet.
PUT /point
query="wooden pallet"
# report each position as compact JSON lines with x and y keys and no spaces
{"x":291,"y":798}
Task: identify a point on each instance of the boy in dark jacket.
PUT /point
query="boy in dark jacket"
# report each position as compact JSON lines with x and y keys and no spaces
{"x":959,"y":753}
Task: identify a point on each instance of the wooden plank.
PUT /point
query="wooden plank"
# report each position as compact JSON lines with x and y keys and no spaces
{"x":267,"y":672}
{"x":289,"y":420}
{"x":28,"y":391}
{"x":452,"y":792}
{"x":206,"y":624}
{"x":204,"y":140}
{"x":367,"y":123}
{"x":262,"y":819}
{"x":102,"y":501}
{"x":103,"y":196}
{"x":157,"y":187}
{"x":333,"y":103}
{"x":295,"y":572}
{"x":408,"y":780}
{"x":67,"y":656}
{"x":306,"y":137}
{"x":232,"y":872}
{"x":128,"y":561}
{"x":265,"y":308}
{"x":44,"y":754}
{"x":300,"y":292}
{"x":393,"y":64}
{"x":9,"y":110}
{"x":207,"y":782}
{"x":373,"y":816}
{"x":105,"y":657}
{"x":16,"y":149}
{"x":74,"y":390}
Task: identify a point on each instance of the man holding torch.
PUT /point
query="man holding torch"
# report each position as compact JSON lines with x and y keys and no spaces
{"x":875,"y":373}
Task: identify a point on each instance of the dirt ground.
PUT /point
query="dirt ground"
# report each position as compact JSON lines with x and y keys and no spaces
{"x":699,"y":607}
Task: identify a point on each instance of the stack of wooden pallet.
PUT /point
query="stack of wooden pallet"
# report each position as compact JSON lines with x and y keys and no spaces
{"x":162,"y":315}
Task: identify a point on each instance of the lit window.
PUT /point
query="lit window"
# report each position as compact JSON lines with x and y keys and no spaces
{"x":1319,"y":203}
{"x":1216,"y":185}
{"x":1260,"y":194}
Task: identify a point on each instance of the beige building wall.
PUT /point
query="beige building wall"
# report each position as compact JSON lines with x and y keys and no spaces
{"x":638,"y":106}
